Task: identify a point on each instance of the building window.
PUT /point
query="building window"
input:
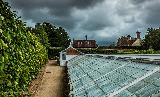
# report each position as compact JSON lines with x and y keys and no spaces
{"x":88,"y":42}
{"x":63,"y":56}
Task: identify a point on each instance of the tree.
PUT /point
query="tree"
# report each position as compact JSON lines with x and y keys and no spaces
{"x":57,"y":36}
{"x":63,"y":38}
{"x":39,"y":31}
{"x":152,"y":39}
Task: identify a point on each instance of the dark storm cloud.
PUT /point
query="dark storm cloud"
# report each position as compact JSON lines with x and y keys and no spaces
{"x":99,"y":19}
{"x":129,"y":19}
{"x":56,"y":7}
{"x":139,"y":1}
{"x":152,"y":13}
{"x":98,"y":23}
{"x":56,"y":11}
{"x":94,"y":26}
{"x":68,"y":23}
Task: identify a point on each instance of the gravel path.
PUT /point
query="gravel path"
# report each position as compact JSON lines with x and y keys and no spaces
{"x":52,"y":82}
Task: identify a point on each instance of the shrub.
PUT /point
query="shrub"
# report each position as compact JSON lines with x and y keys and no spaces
{"x":97,"y":51}
{"x":53,"y":53}
{"x":21,"y":54}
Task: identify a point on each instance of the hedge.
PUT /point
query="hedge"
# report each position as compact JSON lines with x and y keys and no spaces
{"x":21,"y":54}
{"x":97,"y":51}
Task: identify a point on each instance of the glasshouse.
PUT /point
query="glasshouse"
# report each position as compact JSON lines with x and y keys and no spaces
{"x":108,"y":76}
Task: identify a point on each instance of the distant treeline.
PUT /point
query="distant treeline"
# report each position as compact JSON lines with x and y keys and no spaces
{"x":51,"y":36}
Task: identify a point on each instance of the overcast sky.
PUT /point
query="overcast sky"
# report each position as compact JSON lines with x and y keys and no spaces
{"x":102,"y":20}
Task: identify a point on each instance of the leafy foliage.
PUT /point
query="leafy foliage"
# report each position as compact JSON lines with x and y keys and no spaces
{"x":54,"y":52}
{"x":51,"y":36}
{"x":152,"y":39}
{"x":57,"y":36}
{"x":97,"y":51}
{"x":40,"y":33}
{"x":135,"y":51}
{"x":21,"y":54}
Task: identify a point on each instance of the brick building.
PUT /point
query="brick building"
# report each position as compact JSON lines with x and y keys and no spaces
{"x":125,"y":41}
{"x":84,"y":43}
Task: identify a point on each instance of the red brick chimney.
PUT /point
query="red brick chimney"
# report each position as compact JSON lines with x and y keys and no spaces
{"x":138,"y":35}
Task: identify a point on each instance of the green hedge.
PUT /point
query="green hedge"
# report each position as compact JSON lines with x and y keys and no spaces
{"x":134,"y":51}
{"x":54,"y":53}
{"x":97,"y":51}
{"x":21,"y":54}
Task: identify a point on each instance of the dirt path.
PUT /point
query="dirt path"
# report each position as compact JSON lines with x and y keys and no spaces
{"x":52,"y":82}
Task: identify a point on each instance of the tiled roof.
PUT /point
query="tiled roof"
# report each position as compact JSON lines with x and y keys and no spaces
{"x":72,"y":51}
